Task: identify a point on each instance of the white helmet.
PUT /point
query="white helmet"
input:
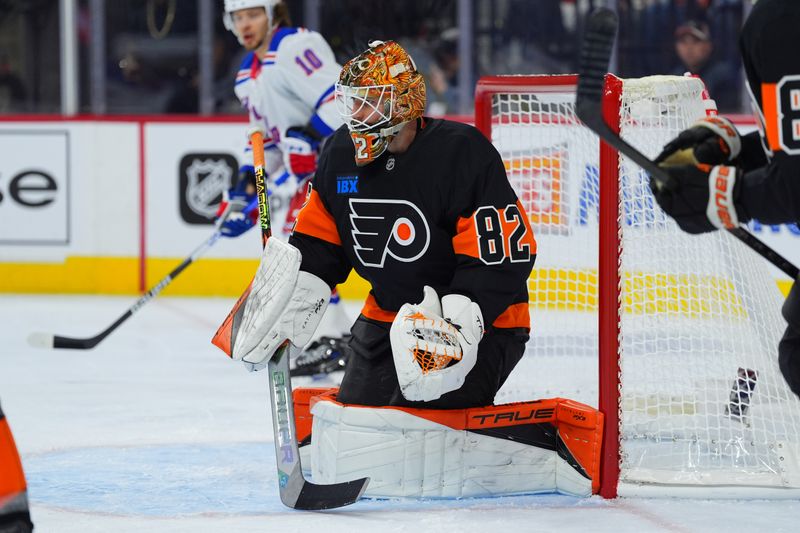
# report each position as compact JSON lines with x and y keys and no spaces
{"x":236,"y":5}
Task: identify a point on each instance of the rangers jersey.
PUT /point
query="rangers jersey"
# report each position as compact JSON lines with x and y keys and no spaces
{"x":291,"y":86}
{"x":441,"y":214}
{"x":771,"y":190}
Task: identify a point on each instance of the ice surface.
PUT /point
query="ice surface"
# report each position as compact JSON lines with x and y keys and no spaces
{"x":156,"y":430}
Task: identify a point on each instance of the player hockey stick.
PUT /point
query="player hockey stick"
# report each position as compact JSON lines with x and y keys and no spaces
{"x":295,"y":491}
{"x":48,"y":340}
{"x":598,"y":40}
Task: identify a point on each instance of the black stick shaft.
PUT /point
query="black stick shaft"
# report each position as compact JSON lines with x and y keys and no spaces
{"x":90,"y":342}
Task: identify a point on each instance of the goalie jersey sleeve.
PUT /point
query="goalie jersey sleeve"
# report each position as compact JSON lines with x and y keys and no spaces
{"x":493,"y":242}
{"x":441,"y":214}
{"x":771,"y":194}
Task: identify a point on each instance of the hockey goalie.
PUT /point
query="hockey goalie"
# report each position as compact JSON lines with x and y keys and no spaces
{"x":422,"y":209}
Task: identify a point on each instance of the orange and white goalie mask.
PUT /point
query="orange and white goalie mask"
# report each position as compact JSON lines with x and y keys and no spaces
{"x":378,"y":92}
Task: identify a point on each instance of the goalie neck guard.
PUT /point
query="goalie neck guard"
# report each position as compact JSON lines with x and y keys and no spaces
{"x":378,"y":92}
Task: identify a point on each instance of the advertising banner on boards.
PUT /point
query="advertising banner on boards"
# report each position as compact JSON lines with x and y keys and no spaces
{"x":34,"y":187}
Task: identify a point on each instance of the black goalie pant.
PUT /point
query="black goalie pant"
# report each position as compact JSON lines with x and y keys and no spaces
{"x":789,"y":347}
{"x":370,"y":377}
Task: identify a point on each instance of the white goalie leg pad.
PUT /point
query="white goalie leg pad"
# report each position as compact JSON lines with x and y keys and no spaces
{"x":283,"y":303}
{"x":409,"y":456}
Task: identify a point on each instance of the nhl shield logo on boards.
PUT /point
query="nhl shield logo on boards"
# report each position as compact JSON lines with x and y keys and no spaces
{"x":202,"y":181}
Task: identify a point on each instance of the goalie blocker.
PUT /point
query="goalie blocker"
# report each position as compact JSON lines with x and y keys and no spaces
{"x":540,"y":446}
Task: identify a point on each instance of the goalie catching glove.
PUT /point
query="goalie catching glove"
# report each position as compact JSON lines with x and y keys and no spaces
{"x":435,"y":344}
{"x":282,"y":303}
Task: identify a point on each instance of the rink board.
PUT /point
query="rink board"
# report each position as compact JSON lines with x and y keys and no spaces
{"x":111,"y":206}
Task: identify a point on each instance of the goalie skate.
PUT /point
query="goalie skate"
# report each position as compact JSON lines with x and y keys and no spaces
{"x":321,"y":357}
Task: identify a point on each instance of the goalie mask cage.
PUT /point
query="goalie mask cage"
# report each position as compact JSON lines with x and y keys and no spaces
{"x":685,"y":328}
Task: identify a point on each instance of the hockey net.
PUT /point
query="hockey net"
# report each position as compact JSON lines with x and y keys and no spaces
{"x":683,"y":329}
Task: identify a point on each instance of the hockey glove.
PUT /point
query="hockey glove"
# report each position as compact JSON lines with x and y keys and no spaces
{"x":239,"y":206}
{"x":295,"y":205}
{"x":711,"y":141}
{"x":299,"y":147}
{"x":435,"y":344}
{"x":703,"y":199}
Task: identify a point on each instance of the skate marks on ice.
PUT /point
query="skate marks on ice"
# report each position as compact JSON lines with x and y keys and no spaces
{"x":196,"y":479}
{"x":156,"y":480}
{"x":215,"y":485}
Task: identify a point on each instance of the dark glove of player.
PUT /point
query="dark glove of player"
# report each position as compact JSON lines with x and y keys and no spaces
{"x":240,"y":209}
{"x":703,"y":199}
{"x":711,"y":141}
{"x":300,"y":146}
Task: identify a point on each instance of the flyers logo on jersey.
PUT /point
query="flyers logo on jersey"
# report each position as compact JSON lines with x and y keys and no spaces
{"x":381,"y":228}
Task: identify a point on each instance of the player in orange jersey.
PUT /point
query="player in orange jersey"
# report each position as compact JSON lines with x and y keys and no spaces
{"x":14,"y":514}
{"x":731,"y":179}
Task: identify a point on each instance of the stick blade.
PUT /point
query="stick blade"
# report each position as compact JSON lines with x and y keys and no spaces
{"x":298,"y":493}
{"x":38,"y":339}
{"x":49,"y":341}
{"x":318,"y":497}
{"x":596,"y":49}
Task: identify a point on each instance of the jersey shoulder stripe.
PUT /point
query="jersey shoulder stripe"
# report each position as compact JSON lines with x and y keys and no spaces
{"x":247,"y":63}
{"x":281,"y":34}
{"x":248,"y":70}
{"x":326,"y":97}
{"x":281,"y":38}
{"x":269,"y":59}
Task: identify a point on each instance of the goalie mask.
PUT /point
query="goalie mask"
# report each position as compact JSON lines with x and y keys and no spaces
{"x":379,"y":91}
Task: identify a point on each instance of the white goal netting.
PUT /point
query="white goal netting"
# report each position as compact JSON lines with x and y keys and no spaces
{"x":701,"y":399}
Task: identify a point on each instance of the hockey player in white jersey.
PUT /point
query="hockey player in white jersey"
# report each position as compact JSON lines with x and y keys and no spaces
{"x":286,"y":83}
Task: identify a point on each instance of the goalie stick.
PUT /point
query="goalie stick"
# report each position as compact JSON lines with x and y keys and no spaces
{"x":295,"y":491}
{"x":48,"y":340}
{"x":598,"y":41}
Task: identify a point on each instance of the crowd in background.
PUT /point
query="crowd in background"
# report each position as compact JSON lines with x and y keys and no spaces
{"x":152,"y":61}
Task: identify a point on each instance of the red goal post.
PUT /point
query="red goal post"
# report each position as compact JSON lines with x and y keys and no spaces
{"x":608,"y":276}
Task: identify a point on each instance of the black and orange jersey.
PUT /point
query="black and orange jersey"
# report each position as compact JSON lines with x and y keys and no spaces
{"x":771,"y":193}
{"x":14,"y":514}
{"x":441,"y":214}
